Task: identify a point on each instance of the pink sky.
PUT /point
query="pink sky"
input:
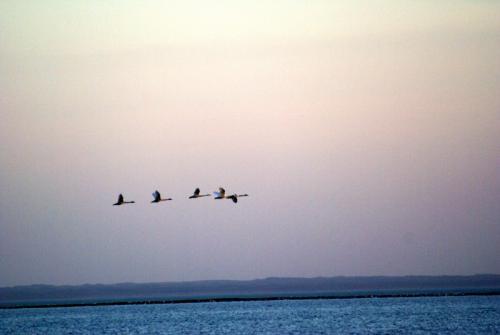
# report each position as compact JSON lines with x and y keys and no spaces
{"x":367,"y":135}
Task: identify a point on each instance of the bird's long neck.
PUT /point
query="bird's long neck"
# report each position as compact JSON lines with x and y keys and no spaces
{"x":204,"y":195}
{"x":242,"y":195}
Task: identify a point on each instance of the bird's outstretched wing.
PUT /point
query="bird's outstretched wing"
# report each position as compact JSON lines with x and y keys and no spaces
{"x":234,"y":198}
{"x":197,"y":191}
{"x":120,"y":198}
{"x":222,"y":191}
{"x":157,"y":195}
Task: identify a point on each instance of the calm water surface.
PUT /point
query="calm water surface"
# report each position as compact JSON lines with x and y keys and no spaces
{"x":439,"y":315}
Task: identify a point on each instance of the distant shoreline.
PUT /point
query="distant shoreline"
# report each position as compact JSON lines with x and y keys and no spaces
{"x":270,"y":298}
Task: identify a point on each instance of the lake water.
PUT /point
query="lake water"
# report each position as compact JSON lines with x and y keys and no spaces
{"x":439,"y":315}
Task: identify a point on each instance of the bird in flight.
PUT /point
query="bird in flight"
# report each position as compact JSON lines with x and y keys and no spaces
{"x":121,"y":201}
{"x":221,"y":194}
{"x":197,"y":194}
{"x":157,"y":197}
{"x":235,"y":197}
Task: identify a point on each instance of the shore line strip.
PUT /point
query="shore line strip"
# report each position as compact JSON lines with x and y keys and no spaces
{"x":242,"y":299}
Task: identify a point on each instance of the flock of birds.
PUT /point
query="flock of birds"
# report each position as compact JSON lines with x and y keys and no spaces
{"x":196,"y":194}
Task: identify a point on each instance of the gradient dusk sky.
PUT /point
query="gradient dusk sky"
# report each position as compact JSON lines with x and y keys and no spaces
{"x":367,"y":134}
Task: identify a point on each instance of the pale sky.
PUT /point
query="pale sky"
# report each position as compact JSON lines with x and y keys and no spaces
{"x":367,"y":134}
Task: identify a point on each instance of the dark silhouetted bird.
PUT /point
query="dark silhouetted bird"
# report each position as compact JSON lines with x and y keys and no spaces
{"x":121,"y":202}
{"x":157,"y":197}
{"x":197,"y":194}
{"x":235,"y":197}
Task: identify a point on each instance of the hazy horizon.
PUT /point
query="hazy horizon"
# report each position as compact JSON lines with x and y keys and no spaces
{"x":256,"y":279}
{"x":367,"y":135}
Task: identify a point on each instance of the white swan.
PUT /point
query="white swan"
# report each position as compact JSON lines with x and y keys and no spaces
{"x":121,"y":202}
{"x":221,"y":194}
{"x":157,"y":197}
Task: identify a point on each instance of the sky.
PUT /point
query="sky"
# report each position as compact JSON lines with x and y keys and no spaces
{"x":367,"y":134}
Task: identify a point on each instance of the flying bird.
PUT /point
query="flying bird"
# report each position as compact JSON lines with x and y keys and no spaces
{"x":157,"y":197}
{"x":121,"y":201}
{"x":221,"y":194}
{"x":235,"y":197}
{"x":197,"y":194}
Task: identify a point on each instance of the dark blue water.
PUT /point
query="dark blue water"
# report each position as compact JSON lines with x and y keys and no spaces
{"x":439,"y":315}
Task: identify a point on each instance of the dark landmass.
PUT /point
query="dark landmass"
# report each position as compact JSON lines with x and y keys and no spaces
{"x":262,"y":298}
{"x":249,"y":290}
